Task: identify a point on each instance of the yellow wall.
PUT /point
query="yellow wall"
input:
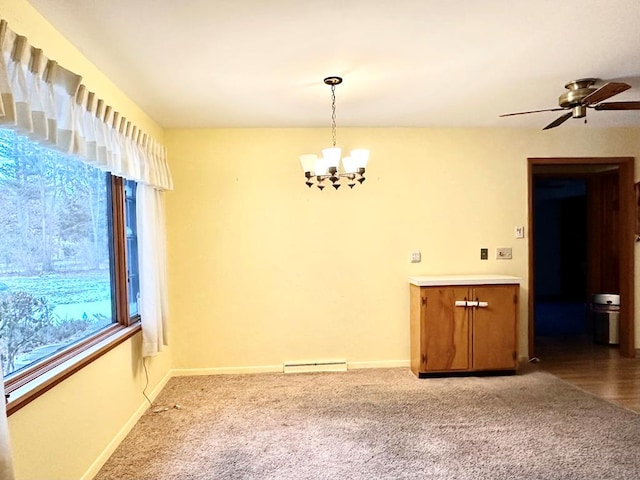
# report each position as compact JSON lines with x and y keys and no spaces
{"x":68,"y":431}
{"x":263,"y":270}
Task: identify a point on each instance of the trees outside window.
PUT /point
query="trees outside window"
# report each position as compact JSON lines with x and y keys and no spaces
{"x":59,"y":258}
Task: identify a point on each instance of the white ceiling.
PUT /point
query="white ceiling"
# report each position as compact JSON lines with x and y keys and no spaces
{"x":260,"y":63}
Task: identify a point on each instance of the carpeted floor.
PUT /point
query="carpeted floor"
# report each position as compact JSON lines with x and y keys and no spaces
{"x":378,"y":424}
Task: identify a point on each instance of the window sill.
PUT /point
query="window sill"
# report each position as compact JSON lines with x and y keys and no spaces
{"x":29,"y":391}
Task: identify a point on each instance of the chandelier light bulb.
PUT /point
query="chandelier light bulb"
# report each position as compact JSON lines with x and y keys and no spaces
{"x":360,"y":157}
{"x":321,"y":167}
{"x":332,"y":156}
{"x":349,"y":165}
{"x":308,"y":161}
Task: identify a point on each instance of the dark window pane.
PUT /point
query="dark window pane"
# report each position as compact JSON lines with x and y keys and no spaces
{"x":133,"y":276}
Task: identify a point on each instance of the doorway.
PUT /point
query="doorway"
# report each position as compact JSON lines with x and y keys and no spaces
{"x":581,"y":224}
{"x":560,"y":246}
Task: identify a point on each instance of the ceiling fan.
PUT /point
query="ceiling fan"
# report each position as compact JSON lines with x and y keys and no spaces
{"x":583,"y":95}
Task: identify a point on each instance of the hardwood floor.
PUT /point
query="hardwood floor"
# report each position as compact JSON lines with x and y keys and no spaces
{"x":595,"y":368}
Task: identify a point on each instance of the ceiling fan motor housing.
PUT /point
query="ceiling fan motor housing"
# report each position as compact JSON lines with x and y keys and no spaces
{"x":578,"y":90}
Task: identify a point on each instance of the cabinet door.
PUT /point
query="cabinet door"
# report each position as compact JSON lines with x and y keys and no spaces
{"x":445,"y":329}
{"x":495,"y":327}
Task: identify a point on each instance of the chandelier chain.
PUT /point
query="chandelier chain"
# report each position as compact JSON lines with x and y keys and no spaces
{"x":333,"y":114}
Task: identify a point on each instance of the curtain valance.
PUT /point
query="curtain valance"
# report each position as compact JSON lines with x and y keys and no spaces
{"x":49,"y":103}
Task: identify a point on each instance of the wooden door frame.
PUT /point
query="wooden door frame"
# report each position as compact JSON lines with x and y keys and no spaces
{"x":627,"y":221}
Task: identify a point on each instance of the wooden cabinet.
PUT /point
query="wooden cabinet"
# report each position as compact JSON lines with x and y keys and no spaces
{"x":464,"y":328}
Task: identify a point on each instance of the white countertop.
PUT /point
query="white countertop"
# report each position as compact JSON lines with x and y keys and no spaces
{"x":480,"y":279}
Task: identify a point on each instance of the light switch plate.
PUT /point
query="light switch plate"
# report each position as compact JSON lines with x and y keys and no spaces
{"x":416,"y":257}
{"x":503,"y":253}
{"x":519,"y":232}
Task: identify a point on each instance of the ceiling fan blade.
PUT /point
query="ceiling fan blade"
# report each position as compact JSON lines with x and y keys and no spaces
{"x":618,"y":106}
{"x":532,"y":111}
{"x":559,"y":121}
{"x":608,"y":90}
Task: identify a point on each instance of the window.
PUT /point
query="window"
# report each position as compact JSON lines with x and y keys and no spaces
{"x":68,"y":263}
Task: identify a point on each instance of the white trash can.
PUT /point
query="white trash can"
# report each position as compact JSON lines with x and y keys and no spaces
{"x":605,"y":311}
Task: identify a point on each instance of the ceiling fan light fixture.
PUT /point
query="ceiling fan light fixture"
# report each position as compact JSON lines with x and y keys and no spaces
{"x":579,"y":111}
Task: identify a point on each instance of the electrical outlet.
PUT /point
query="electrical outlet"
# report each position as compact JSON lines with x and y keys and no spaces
{"x":503,"y":253}
{"x":484,"y":254}
{"x":519,"y":232}
{"x":416,"y":257}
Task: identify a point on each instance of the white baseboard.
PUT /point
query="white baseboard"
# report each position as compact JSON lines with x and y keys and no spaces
{"x":184,"y":372}
{"x":380,"y":364}
{"x":95,"y":467}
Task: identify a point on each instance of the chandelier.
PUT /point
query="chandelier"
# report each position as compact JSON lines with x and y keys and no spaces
{"x":317,"y":170}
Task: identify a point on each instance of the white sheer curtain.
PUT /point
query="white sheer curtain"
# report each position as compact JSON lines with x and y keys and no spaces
{"x":153,"y":276}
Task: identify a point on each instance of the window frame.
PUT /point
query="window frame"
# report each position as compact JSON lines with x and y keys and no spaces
{"x":33,"y":381}
{"x":134,"y":241}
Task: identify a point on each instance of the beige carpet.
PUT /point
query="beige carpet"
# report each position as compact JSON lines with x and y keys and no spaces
{"x":379,"y":424}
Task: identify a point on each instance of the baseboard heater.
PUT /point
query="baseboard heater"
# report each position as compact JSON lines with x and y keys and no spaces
{"x":316,"y":366}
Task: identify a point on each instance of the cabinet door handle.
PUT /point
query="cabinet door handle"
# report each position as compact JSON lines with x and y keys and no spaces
{"x":466,"y":303}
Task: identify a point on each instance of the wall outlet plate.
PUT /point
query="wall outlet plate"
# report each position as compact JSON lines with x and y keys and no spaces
{"x":503,"y":253}
{"x":484,"y":254}
{"x":416,"y":257}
